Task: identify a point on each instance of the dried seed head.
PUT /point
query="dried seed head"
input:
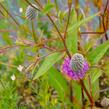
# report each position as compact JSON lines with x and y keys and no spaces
{"x":31,"y":12}
{"x":77,"y":62}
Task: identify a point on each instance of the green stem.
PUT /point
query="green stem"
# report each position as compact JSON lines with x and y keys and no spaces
{"x":2,"y":84}
{"x":52,"y":21}
{"x":71,"y":92}
{"x":33,"y":32}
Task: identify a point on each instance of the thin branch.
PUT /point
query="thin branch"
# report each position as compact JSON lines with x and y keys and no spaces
{"x":83,"y":98}
{"x":32,"y":5}
{"x":90,"y":86}
{"x":103,"y":21}
{"x":106,"y":36}
{"x":9,"y":65}
{"x":33,"y":32}
{"x":91,"y":32}
{"x":7,"y":47}
{"x":87,"y":93}
{"x":65,"y":33}
{"x":2,"y":13}
{"x":60,"y":35}
{"x":50,"y":48}
{"x":7,"y":30}
{"x":39,"y":3}
{"x":55,"y":27}
{"x":104,"y":90}
{"x":63,"y":40}
{"x":106,"y":7}
{"x":10,"y":15}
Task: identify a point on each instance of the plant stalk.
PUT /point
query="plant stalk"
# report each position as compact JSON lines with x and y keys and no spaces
{"x":33,"y":32}
{"x":83,"y":98}
{"x":71,"y":92}
{"x":62,"y":38}
{"x":87,"y":93}
{"x":9,"y":14}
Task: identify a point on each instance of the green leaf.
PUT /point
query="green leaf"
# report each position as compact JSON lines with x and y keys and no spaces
{"x":61,"y":16}
{"x":95,"y":74}
{"x":48,"y":8}
{"x":72,"y":35}
{"x":1,"y":0}
{"x":95,"y":55}
{"x":72,"y":39}
{"x":94,"y":87}
{"x":48,"y":63}
{"x":95,"y":90}
{"x":106,"y":67}
{"x":6,"y":38}
{"x":57,"y":81}
{"x":77,"y":94}
{"x":78,"y":24}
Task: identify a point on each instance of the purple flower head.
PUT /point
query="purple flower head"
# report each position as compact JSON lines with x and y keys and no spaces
{"x":76,"y":67}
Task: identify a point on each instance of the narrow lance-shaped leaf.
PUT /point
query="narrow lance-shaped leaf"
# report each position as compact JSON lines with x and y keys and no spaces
{"x":78,"y":24}
{"x":95,"y":73}
{"x":77,"y":94}
{"x":73,"y":30}
{"x":57,"y":81}
{"x":94,"y":87}
{"x":95,"y":55}
{"x":72,"y":35}
{"x":48,"y":63}
{"x":48,"y":8}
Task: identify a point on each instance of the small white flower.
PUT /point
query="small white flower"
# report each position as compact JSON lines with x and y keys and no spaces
{"x":20,"y":10}
{"x":20,"y":68}
{"x":13,"y":77}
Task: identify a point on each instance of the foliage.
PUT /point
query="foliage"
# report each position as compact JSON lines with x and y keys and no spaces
{"x":33,"y":50}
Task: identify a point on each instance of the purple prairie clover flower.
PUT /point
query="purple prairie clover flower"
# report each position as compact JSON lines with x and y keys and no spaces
{"x":76,"y":67}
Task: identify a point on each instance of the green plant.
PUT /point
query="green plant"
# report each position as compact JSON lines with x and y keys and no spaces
{"x":39,"y":40}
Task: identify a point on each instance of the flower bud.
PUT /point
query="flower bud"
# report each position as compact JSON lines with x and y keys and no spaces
{"x":76,"y":67}
{"x":77,"y":62}
{"x":30,"y":12}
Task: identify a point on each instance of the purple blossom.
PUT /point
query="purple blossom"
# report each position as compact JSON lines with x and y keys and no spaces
{"x":75,"y":75}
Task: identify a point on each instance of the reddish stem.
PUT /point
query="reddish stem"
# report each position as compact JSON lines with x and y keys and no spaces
{"x":106,"y":7}
{"x":103,"y":22}
{"x":89,"y":32}
{"x":52,"y":21}
{"x":83,"y":98}
{"x":90,"y":85}
{"x":87,"y":93}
